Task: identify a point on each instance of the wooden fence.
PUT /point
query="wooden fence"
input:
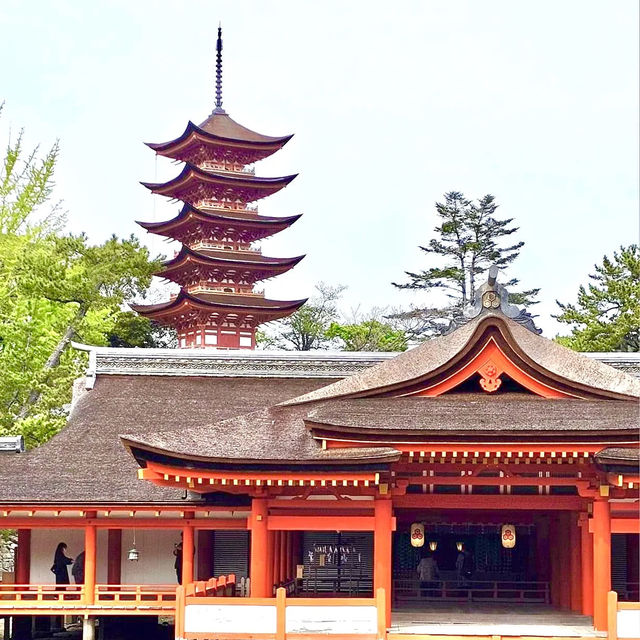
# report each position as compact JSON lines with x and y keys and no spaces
{"x":623,"y":618}
{"x":199,"y":617}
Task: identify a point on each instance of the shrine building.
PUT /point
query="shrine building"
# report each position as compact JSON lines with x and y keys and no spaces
{"x":484,"y":484}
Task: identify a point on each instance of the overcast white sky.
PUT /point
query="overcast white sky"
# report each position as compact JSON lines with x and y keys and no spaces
{"x":392,"y":104}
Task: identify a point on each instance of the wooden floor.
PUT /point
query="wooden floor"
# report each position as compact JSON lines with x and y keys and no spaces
{"x":434,"y":620}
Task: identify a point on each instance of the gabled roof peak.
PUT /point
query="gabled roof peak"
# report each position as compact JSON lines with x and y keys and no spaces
{"x":492,"y":297}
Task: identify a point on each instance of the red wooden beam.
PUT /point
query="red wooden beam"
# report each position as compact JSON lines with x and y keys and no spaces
{"x":477,"y":501}
{"x":10,"y":522}
{"x":321,"y":523}
{"x":620,"y":525}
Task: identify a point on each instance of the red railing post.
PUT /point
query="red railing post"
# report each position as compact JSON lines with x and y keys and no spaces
{"x":612,"y":615}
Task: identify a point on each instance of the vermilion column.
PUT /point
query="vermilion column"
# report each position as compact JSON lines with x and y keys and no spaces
{"x":90,"y":563}
{"x":277,"y":550}
{"x":289,"y":572}
{"x":114,"y":556}
{"x":23,"y":557}
{"x":601,"y":562}
{"x":283,"y":556}
{"x":554,"y":580}
{"x":187,"y":555}
{"x":382,"y":551}
{"x":564,"y":560}
{"x":576,"y":562}
{"x":258,"y":561}
{"x":586,"y":549}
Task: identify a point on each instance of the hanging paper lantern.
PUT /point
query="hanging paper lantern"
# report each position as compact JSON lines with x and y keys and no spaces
{"x":417,"y":534}
{"x":433,"y":545}
{"x":508,"y":536}
{"x":459,"y":546}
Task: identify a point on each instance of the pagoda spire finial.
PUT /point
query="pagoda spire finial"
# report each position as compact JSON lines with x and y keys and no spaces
{"x":219,"y":108}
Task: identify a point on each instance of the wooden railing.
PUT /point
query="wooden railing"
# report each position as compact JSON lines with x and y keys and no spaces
{"x":410,"y":589}
{"x":623,"y":618}
{"x":279,"y":618}
{"x":107,"y":598}
{"x":47,"y":595}
{"x":129,"y":595}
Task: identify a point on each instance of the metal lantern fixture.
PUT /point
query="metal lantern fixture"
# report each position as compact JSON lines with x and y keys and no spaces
{"x":459,"y":546}
{"x":417,"y":534}
{"x":433,"y":545}
{"x":508,"y":536}
{"x":134,"y":554}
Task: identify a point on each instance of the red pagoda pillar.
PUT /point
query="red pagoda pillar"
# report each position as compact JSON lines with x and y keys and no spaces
{"x":218,"y":266}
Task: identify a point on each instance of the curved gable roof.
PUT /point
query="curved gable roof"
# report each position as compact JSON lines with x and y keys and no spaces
{"x":442,"y":356}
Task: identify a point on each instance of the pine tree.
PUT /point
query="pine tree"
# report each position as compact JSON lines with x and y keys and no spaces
{"x":606,"y":316}
{"x":468,"y":240}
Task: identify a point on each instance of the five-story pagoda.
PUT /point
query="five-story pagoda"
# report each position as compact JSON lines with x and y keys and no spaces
{"x":217,"y":267}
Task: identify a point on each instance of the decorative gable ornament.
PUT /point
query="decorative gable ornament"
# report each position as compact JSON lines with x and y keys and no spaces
{"x":508,"y":536}
{"x":492,"y":297}
{"x":417,"y":534}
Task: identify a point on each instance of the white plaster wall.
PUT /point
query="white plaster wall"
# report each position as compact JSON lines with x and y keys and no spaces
{"x":155,"y":546}
{"x":43,"y":546}
{"x":155,"y":565}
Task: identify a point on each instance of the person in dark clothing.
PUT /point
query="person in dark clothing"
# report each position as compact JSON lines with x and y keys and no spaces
{"x":60,"y":563}
{"x":177,"y":565}
{"x":77,"y":571}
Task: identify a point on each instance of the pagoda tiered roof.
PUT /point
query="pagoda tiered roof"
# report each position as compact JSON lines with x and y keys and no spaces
{"x":221,"y":137}
{"x":186,"y":306}
{"x":244,"y":226}
{"x":191,"y":265}
{"x":194,"y":185}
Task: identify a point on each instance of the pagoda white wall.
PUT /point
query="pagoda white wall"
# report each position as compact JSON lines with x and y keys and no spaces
{"x":43,"y":547}
{"x":155,"y":546}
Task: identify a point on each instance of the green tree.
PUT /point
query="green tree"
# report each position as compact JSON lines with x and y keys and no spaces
{"x":467,"y":241}
{"x":368,"y":335}
{"x":132,"y":330}
{"x":306,"y":329}
{"x":53,"y":288}
{"x":606,"y":316}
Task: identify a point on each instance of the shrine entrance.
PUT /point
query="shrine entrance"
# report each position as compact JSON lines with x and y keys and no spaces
{"x":466,"y":562}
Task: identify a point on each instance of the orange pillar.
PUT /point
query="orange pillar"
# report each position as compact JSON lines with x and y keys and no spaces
{"x":187,"y":555}
{"x":601,"y":562}
{"x":382,"y":551}
{"x":90,"y":563}
{"x":576,"y":562}
{"x":586,"y":549}
{"x":554,"y":580}
{"x":565,"y":560}
{"x":289,"y":564}
{"x":258,"y":560}
{"x":283,"y":556}
{"x":277,"y":550}
{"x":271,"y":538}
{"x":23,"y":557}
{"x":114,"y":556}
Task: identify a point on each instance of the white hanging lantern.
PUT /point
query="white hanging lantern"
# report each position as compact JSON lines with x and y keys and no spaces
{"x":433,"y":545}
{"x":134,"y":554}
{"x":508,"y":536}
{"x":417,"y":534}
